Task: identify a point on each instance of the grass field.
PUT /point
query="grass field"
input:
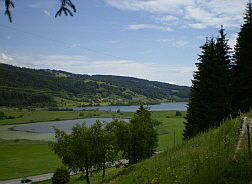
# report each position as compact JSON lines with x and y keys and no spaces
{"x":23,"y":154}
{"x":22,"y":158}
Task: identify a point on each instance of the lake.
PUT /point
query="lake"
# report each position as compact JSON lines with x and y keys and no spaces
{"x":181,"y":106}
{"x":65,"y":125}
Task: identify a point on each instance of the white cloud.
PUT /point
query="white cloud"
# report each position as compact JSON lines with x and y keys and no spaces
{"x":63,"y":57}
{"x":163,"y":6}
{"x":174,"y":43}
{"x":74,"y":45}
{"x":180,"y":43}
{"x":201,"y":37}
{"x":146,"y":26}
{"x":6,"y":57}
{"x":196,"y":14}
{"x":43,"y":4}
{"x":232,"y":40}
{"x":47,"y":12}
{"x":164,"y":40}
{"x":166,"y":20}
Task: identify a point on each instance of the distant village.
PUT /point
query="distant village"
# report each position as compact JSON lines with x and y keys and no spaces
{"x":112,"y":100}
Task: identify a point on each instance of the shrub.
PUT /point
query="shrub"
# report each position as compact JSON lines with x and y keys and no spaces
{"x":178,"y":113}
{"x":61,"y":176}
{"x":1,"y":115}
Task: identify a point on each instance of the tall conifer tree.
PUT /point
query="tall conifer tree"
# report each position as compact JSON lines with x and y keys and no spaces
{"x":209,"y":102}
{"x":242,"y":99}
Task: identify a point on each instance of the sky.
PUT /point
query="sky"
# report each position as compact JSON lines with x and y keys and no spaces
{"x":157,"y":40}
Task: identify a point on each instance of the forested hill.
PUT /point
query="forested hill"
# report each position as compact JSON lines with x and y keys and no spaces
{"x":40,"y":86}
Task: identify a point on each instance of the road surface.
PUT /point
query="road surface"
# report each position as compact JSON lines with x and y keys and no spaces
{"x":33,"y":178}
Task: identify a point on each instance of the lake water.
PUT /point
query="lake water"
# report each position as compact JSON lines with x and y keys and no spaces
{"x":65,"y":125}
{"x":181,"y":106}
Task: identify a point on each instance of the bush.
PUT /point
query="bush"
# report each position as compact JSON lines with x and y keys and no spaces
{"x":178,"y":113}
{"x":1,"y":115}
{"x":61,"y":176}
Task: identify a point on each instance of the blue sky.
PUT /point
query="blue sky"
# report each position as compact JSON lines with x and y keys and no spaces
{"x":157,"y":40}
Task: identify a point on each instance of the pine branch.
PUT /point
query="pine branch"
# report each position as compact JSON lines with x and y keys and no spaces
{"x":63,"y":8}
{"x":9,"y":4}
{"x":67,"y":7}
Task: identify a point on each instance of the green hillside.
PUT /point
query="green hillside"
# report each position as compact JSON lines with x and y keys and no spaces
{"x":39,"y":88}
{"x":208,"y":158}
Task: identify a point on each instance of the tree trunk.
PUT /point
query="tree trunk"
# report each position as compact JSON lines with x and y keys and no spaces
{"x":103,"y":170}
{"x":87,"y":175}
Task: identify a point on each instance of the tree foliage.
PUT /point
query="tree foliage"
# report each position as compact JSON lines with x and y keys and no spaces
{"x":243,"y":64}
{"x":137,"y":139}
{"x":143,"y":136}
{"x":83,"y":149}
{"x":18,"y":84}
{"x":67,"y":7}
{"x":61,"y":176}
{"x":209,"y":99}
{"x":88,"y":148}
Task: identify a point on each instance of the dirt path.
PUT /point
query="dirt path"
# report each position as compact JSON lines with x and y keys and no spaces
{"x":246,"y":122}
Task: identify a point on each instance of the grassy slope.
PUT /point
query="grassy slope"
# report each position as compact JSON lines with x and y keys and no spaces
{"x":204,"y":159}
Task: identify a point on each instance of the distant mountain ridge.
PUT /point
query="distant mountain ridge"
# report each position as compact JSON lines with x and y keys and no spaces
{"x":24,"y":84}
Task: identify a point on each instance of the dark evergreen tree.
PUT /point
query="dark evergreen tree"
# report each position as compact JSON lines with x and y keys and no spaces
{"x":209,"y":100}
{"x":243,"y":65}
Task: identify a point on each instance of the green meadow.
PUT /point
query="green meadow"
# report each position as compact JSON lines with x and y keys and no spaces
{"x":26,"y":154}
{"x":23,"y":158}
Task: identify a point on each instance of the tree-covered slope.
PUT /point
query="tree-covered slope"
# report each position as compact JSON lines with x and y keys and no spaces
{"x":16,"y":83}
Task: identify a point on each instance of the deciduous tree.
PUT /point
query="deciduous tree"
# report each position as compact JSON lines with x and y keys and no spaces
{"x":83,"y":149}
{"x":137,"y":139}
{"x":143,"y":136}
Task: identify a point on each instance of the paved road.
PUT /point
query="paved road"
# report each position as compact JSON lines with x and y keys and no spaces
{"x":33,"y":178}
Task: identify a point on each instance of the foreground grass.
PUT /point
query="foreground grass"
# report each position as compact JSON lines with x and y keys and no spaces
{"x":204,"y":159}
{"x":23,"y":158}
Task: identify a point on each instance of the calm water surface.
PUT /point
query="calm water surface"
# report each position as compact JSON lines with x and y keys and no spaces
{"x":66,"y":125}
{"x":181,"y":106}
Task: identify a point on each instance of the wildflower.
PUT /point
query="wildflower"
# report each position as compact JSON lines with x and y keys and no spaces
{"x":169,"y":168}
{"x":154,"y":180}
